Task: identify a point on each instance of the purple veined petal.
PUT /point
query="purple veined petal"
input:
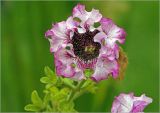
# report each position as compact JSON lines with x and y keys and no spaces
{"x":71,"y":24}
{"x":110,"y":50}
{"x":100,"y":37}
{"x":56,"y":43}
{"x":58,"y":36}
{"x":79,"y":75}
{"x":49,"y":33}
{"x":103,"y":68}
{"x":63,"y":62}
{"x":62,"y":69}
{"x":93,"y":16}
{"x":64,"y":55}
{"x":140,"y":103}
{"x":127,"y":103}
{"x":80,"y":12}
{"x":113,"y":32}
{"x":66,"y":65}
{"x":87,"y":18}
{"x":123,"y":103}
{"x":60,"y":30}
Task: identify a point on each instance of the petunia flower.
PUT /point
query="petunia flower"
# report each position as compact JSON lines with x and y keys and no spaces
{"x":128,"y":103}
{"x":78,"y":45}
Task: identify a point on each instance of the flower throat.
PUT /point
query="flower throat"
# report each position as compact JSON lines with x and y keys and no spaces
{"x":84,"y":46}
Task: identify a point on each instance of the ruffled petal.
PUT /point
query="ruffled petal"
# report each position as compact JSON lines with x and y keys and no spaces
{"x":66,"y":64}
{"x":87,"y":18}
{"x":71,"y":24}
{"x":60,"y":30}
{"x":93,"y":17}
{"x":127,"y":103}
{"x":140,"y":103}
{"x":80,"y":12}
{"x":79,"y":75}
{"x":111,"y":52}
{"x":62,"y":69}
{"x":56,"y":43}
{"x":103,"y":68}
{"x":113,"y":32}
{"x":58,"y":36}
{"x":100,"y":37}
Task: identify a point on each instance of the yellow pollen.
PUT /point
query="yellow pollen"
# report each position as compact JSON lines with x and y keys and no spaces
{"x":89,"y":49}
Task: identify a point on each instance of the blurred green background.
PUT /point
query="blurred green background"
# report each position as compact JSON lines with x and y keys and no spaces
{"x":25,"y":51}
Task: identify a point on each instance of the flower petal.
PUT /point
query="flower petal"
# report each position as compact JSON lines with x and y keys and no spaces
{"x":64,"y":55}
{"x":80,"y":12}
{"x":93,"y":17}
{"x":100,"y":37}
{"x":123,"y":103}
{"x":64,"y":63}
{"x":79,"y":75}
{"x":127,"y":103}
{"x":104,"y":67}
{"x":56,"y":43}
{"x":58,"y":36}
{"x":71,"y":23}
{"x":140,"y":103}
{"x":87,"y":18}
{"x":111,"y":52}
{"x":113,"y":32}
{"x":62,"y":69}
{"x":60,"y":29}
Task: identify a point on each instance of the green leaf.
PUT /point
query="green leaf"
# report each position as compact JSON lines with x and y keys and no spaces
{"x":66,"y":106}
{"x":54,"y":90}
{"x":68,"y":82}
{"x":48,"y":71}
{"x":36,"y":99}
{"x":46,"y":99}
{"x":87,"y":82}
{"x":31,"y":107}
{"x":45,"y":80}
{"x":90,"y":86}
{"x":50,"y":74}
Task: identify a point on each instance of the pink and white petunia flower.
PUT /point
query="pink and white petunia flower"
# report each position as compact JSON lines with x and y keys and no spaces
{"x":128,"y":103}
{"x":78,"y":45}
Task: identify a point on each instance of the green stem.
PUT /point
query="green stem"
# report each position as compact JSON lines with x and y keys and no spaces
{"x":76,"y":91}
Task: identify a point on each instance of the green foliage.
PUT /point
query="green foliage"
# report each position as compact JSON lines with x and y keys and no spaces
{"x":37,"y":103}
{"x":59,"y":93}
{"x":88,"y":72}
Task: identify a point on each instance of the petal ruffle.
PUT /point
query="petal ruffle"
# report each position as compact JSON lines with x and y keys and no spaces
{"x":71,"y":23}
{"x":87,"y":18}
{"x":140,"y":103}
{"x":126,"y":103}
{"x":58,"y":36}
{"x":110,"y":51}
{"x":62,"y":69}
{"x":66,"y":64}
{"x":79,"y":75}
{"x":113,"y":32}
{"x":104,"y":67}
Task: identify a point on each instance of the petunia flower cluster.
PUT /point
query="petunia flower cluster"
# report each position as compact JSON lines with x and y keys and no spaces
{"x":78,"y":44}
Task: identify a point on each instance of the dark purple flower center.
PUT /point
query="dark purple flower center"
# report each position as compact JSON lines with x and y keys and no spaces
{"x":84,"y":46}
